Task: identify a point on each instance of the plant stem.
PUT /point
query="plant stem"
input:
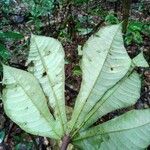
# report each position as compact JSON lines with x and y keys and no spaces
{"x":65,"y":142}
{"x":126,"y":11}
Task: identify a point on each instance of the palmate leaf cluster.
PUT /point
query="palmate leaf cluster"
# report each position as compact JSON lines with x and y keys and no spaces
{"x":35,"y":99}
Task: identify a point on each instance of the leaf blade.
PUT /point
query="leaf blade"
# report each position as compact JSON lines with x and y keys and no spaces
{"x":103,"y":65}
{"x":30,"y":112}
{"x":120,"y":96}
{"x":47,"y":56}
{"x":125,"y":93}
{"x":128,"y":131}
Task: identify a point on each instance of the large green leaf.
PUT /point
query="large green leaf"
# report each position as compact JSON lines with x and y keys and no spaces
{"x":46,"y":62}
{"x":125,"y":93}
{"x":105,"y":61}
{"x":25,"y":103}
{"x":130,"y":131}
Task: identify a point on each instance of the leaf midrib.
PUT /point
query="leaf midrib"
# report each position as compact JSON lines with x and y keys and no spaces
{"x":34,"y":103}
{"x":102,"y":103}
{"x":95,"y":82}
{"x":122,"y":130}
{"x":45,"y":68}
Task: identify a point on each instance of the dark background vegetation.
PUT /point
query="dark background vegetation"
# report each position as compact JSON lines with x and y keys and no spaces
{"x":72,"y":22}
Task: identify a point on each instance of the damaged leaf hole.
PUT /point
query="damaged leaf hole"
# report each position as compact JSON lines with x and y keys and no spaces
{"x":44,"y":74}
{"x":47,"y":53}
{"x":111,"y":68}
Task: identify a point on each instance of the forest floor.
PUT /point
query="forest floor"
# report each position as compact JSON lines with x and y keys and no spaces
{"x":72,"y":25}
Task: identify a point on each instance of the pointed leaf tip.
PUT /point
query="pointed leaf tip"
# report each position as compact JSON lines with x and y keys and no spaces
{"x":140,"y":61}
